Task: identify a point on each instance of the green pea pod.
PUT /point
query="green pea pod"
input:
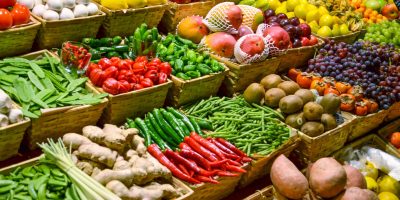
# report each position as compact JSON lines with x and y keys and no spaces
{"x":178,"y":65}
{"x":189,"y":68}
{"x":182,"y":76}
{"x":193,"y":74}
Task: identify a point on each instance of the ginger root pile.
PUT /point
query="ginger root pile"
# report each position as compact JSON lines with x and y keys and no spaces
{"x":117,"y":158}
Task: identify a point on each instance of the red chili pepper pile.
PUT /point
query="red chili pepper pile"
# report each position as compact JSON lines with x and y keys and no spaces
{"x":200,"y":159}
{"x":75,"y":55}
{"x":118,"y":75}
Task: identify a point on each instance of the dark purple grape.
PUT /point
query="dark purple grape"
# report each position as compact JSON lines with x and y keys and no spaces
{"x":269,"y":13}
{"x":282,"y":16}
{"x":283,"y":22}
{"x":294,"y":21}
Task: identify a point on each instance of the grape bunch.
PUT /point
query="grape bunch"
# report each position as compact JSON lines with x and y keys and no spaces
{"x":374,"y":67}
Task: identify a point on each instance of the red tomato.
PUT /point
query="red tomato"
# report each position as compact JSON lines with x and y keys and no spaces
{"x":7,"y":3}
{"x":6,"y":20}
{"x":395,"y":139}
{"x":20,"y":14}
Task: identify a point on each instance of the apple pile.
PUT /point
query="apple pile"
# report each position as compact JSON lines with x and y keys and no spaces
{"x":375,"y":11}
{"x":299,"y":33}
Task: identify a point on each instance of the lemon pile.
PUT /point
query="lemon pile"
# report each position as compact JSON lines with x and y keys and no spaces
{"x":385,"y":186}
{"x":125,"y":4}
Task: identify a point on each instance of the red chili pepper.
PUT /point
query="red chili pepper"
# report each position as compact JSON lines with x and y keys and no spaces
{"x":104,"y":63}
{"x":183,"y":145}
{"x":190,"y":154}
{"x":220,"y":146}
{"x":123,"y":64}
{"x":191,"y":173}
{"x":162,"y":77}
{"x":205,"y":179}
{"x":139,"y":68}
{"x":124,"y":86}
{"x":83,"y":61}
{"x":146,"y":82}
{"x":152,"y":75}
{"x":138,"y":87}
{"x":111,"y":72}
{"x":231,"y":147}
{"x":207,"y":144}
{"x":97,"y":77}
{"x":218,"y":164}
{"x":155,"y":151}
{"x":225,"y":173}
{"x":111,"y":85}
{"x":232,"y":162}
{"x":141,"y":59}
{"x":246,"y":159}
{"x":200,"y":149}
{"x":231,"y":156}
{"x":183,"y":169}
{"x":235,"y":169}
{"x":190,"y":165}
{"x":166,"y":68}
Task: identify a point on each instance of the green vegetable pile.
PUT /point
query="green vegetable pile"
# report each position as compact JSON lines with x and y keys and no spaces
{"x":254,"y":129}
{"x":41,"y":181}
{"x":386,"y":32}
{"x":186,"y":62}
{"x":43,"y":83}
{"x":108,"y":47}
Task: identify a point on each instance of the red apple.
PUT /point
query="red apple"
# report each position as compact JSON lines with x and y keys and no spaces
{"x":313,"y":40}
{"x":280,"y":37}
{"x":390,"y":11}
{"x":305,"y":41}
{"x":242,"y":31}
{"x":306,"y":30}
{"x":253,"y":44}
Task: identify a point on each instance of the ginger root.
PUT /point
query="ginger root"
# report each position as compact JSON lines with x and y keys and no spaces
{"x":121,"y":164}
{"x":127,"y":176}
{"x":75,"y":140}
{"x":113,"y":138}
{"x":98,"y":153}
{"x":94,"y":133}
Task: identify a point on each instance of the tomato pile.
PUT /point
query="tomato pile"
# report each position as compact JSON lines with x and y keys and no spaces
{"x":12,"y":13}
{"x":118,"y":75}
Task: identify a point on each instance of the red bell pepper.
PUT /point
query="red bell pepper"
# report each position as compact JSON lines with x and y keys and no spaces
{"x":152,"y":75}
{"x":155,"y":151}
{"x":115,"y":61}
{"x":162,"y":77}
{"x":138,"y":87}
{"x":205,"y":179}
{"x":166,"y":68}
{"x":155,"y":61}
{"x":97,"y":77}
{"x":124,"y":86}
{"x":111,"y":86}
{"x":139,"y":68}
{"x":111,"y":72}
{"x":91,"y":67}
{"x":207,"y":144}
{"x":146,"y":82}
{"x":104,"y":63}
{"x":190,"y":154}
{"x":122,"y":75}
{"x":124,"y":65}
{"x":141,"y":59}
{"x":200,"y":149}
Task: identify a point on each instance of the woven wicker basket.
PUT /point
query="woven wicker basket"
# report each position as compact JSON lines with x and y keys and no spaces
{"x":183,"y":92}
{"x":124,"y":22}
{"x":266,"y":193}
{"x":54,"y":33}
{"x":348,"y":38}
{"x":18,"y":40}
{"x":393,"y":112}
{"x":261,"y":165}
{"x":55,"y":122}
{"x":364,"y":124}
{"x":133,"y":104}
{"x":11,"y":138}
{"x":241,"y":76}
{"x":313,"y":148}
{"x":298,"y":57}
{"x":176,"y":12}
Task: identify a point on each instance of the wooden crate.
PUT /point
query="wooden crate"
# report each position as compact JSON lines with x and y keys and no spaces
{"x":175,"y":182}
{"x":241,"y":76}
{"x":132,"y":104}
{"x":261,"y":165}
{"x":124,"y":22}
{"x":183,"y":92}
{"x":55,"y":122}
{"x":348,"y":38}
{"x":176,"y":12}
{"x":364,"y":124}
{"x":313,"y":148}
{"x":297,"y":57}
{"x":54,"y":33}
{"x":390,"y":128}
{"x":266,"y":193}
{"x":393,"y":112}
{"x":19,"y":39}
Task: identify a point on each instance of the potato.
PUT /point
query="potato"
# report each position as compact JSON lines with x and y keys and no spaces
{"x":287,"y":179}
{"x":354,"y":193}
{"x":327,"y":177}
{"x":354,"y":178}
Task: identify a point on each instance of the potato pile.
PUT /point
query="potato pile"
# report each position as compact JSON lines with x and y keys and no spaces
{"x":118,"y":159}
{"x":304,"y":109}
{"x":326,"y":179}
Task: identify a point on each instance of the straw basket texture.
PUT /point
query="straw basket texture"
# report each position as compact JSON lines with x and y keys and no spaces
{"x":54,"y":33}
{"x":124,"y":22}
{"x":266,"y":193}
{"x":19,"y":39}
{"x":176,"y":12}
{"x":183,"y":92}
{"x":241,"y":76}
{"x":393,"y":112}
{"x":348,"y":38}
{"x":364,"y":124}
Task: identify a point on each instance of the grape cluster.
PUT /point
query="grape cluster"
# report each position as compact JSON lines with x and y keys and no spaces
{"x":376,"y":68}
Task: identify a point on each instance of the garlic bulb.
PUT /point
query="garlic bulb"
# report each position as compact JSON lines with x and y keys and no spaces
{"x":51,"y":15}
{"x":92,"y":9}
{"x":15,"y":116}
{"x":27,"y":3}
{"x":86,"y":2}
{"x":69,"y":3}
{"x":56,"y":5}
{"x":66,"y":13}
{"x":81,"y":11}
{"x":39,"y":10}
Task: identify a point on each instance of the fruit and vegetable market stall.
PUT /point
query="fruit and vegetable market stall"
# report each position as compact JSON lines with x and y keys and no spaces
{"x":157,"y":99}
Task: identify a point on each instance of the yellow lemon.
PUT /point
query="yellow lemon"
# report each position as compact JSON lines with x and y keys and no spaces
{"x":344,"y":29}
{"x":137,"y":3}
{"x":301,"y":11}
{"x":290,"y":15}
{"x":311,"y":7}
{"x":371,"y":171}
{"x":274,"y":4}
{"x":326,"y":20}
{"x":387,"y":196}
{"x":280,"y":9}
{"x":314,"y":26}
{"x":324,"y":31}
{"x":304,"y":1}
{"x":389,"y":184}
{"x":371,"y":184}
{"x":291,"y":4}
{"x":114,"y":5}
{"x":322,"y":10}
{"x":312,"y":16}
{"x":335,"y":30}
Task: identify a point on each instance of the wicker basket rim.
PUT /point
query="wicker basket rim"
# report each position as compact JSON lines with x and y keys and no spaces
{"x":129,"y":10}
{"x":237,"y":65}
{"x":33,"y":22}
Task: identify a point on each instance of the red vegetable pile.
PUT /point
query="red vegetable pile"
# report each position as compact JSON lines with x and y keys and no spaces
{"x":118,"y":75}
{"x":75,"y":55}
{"x":12,"y":14}
{"x":200,"y":159}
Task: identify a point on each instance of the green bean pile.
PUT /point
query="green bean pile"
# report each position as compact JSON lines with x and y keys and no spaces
{"x":254,"y":129}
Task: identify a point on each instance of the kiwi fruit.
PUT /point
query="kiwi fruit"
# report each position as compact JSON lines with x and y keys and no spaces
{"x":290,"y":104}
{"x":305,"y":94}
{"x":330,"y":103}
{"x":313,"y":111}
{"x":329,"y":121}
{"x":273,"y":96}
{"x":271,"y":81}
{"x":290,"y":87}
{"x":295,"y":120}
{"x":312,"y":129}
{"x":254,"y":93}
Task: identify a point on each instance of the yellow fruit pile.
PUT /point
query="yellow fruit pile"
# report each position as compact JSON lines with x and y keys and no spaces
{"x":385,"y":186}
{"x":125,"y":4}
{"x":318,"y":18}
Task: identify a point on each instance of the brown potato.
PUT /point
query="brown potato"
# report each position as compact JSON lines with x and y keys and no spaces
{"x":287,"y":179}
{"x":354,"y":178}
{"x":327,"y":177}
{"x":354,"y":193}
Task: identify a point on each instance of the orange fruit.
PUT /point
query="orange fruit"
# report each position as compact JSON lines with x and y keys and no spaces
{"x":370,"y":21}
{"x":374,"y":13}
{"x":365,"y":19}
{"x":379,"y":16}
{"x":378,"y":20}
